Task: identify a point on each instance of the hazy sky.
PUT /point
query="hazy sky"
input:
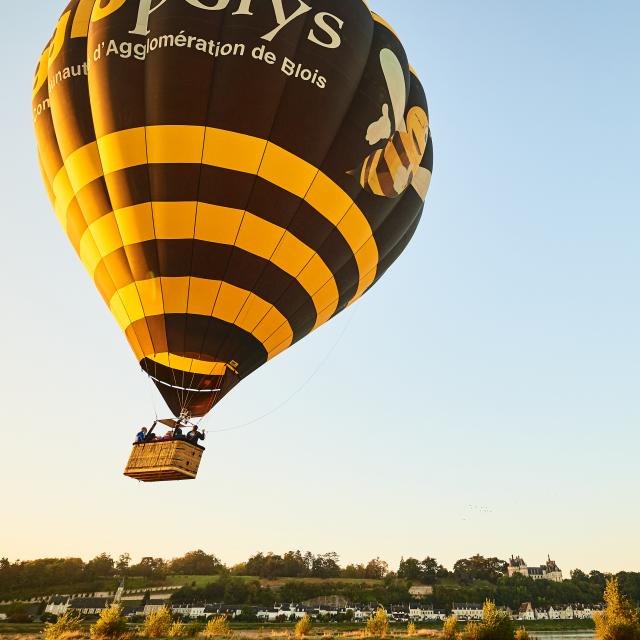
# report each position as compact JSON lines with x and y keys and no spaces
{"x":484,"y":397}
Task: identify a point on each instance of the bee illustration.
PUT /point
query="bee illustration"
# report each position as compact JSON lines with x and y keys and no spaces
{"x":388,"y":172}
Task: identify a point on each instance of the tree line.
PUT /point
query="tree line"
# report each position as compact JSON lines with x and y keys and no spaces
{"x":471,"y":579}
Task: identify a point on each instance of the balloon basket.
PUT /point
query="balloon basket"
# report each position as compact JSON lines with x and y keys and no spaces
{"x":164,"y":461}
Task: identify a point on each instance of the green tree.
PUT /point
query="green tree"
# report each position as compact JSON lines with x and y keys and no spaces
{"x":197,"y":563}
{"x":101,"y":566}
{"x":326,"y":565}
{"x":149,"y":568}
{"x":479,"y":568}
{"x":123,"y":564}
{"x":18,"y":612}
{"x":376,"y":569}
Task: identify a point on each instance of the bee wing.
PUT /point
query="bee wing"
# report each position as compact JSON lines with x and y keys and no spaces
{"x":394,"y":75}
{"x":421,"y":182}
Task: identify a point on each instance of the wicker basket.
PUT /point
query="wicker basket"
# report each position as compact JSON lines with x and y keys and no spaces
{"x":164,"y":461}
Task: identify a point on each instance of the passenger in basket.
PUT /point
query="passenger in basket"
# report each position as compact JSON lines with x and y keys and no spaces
{"x":177,"y":432}
{"x":141,"y":436}
{"x":194,"y":435}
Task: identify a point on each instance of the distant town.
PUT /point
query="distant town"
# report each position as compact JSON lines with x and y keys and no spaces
{"x":270,"y":588}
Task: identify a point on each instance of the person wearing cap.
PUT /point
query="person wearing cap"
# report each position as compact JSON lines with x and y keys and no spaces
{"x":194,"y":435}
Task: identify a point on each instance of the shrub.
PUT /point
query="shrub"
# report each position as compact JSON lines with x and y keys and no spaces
{"x":178,"y":630}
{"x":411,"y":629}
{"x":473,"y":631}
{"x":72,"y":635}
{"x":66,"y":624}
{"x":303,"y":627}
{"x":217,"y":627}
{"x":378,"y":624}
{"x":619,"y":620}
{"x":522,"y":634}
{"x":157,"y":624}
{"x":111,"y":624}
{"x":194,"y":629}
{"x":450,"y":628}
{"x":495,"y":625}
{"x":18,"y":613}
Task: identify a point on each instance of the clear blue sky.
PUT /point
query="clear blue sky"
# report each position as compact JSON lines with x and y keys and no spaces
{"x":484,"y":397}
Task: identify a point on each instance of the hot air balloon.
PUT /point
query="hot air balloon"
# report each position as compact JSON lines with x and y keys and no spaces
{"x":232,"y":174}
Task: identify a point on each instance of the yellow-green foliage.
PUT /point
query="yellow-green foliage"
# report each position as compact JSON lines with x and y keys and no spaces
{"x":66,"y":625}
{"x":178,"y":630}
{"x":378,"y":624}
{"x":450,"y":628}
{"x":217,"y":627}
{"x":472,"y":631}
{"x":411,"y":629}
{"x":522,"y":634}
{"x":495,"y":625}
{"x":303,"y":627}
{"x":619,"y":620}
{"x":157,"y":624}
{"x":110,"y":625}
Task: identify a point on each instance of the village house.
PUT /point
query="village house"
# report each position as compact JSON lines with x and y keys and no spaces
{"x":268,"y":615}
{"x":467,"y":611}
{"x":57,"y":605}
{"x":154,"y":604}
{"x":88,"y":606}
{"x":420,"y":591}
{"x":526,"y":612}
{"x":542,"y":614}
{"x":425,"y":613}
{"x":561,"y":612}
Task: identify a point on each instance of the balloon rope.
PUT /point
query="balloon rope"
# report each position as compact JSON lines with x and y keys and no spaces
{"x":323,"y":362}
{"x":151,"y":389}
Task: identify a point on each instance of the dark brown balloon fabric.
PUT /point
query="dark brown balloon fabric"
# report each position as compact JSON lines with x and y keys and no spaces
{"x":232,"y":173}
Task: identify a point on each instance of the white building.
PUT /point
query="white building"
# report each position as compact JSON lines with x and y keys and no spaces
{"x":526,"y":612}
{"x":420,"y":591}
{"x":153,"y":605}
{"x":561,"y":612}
{"x":548,"y":571}
{"x":57,"y":605}
{"x":89,"y":606}
{"x":269,"y":615}
{"x":467,"y":611}
{"x":425,"y":613}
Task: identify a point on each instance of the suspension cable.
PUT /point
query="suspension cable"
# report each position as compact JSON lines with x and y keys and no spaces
{"x":301,"y":388}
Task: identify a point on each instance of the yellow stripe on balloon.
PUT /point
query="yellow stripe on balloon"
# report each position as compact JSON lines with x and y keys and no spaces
{"x":189,"y":365}
{"x":169,"y":144}
{"x":216,"y":224}
{"x":196,"y":296}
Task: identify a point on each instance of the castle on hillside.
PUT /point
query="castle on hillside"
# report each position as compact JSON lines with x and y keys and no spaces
{"x":548,"y":571}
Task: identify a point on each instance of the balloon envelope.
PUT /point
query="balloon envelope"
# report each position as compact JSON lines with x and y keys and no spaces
{"x":232,"y":173}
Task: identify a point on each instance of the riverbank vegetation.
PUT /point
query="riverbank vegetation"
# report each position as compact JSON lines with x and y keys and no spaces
{"x":620,"y":619}
{"x":296,"y":577}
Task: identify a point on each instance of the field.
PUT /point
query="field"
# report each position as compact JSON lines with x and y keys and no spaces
{"x":201,"y":581}
{"x":332,"y":630}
